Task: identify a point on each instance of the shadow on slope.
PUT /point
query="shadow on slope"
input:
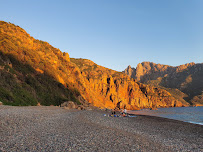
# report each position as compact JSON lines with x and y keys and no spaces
{"x":22,"y":85}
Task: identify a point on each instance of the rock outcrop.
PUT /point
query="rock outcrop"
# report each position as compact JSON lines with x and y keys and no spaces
{"x":130,"y":72}
{"x":69,"y":105}
{"x":187,"y":78}
{"x":109,"y":89}
{"x":197,"y":100}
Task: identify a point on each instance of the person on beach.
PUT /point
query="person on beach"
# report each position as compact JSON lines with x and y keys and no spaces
{"x":125,"y":111}
{"x":113,"y":112}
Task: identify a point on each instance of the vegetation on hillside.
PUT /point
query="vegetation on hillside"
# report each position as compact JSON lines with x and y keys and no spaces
{"x":22,"y":85}
{"x":31,"y":71}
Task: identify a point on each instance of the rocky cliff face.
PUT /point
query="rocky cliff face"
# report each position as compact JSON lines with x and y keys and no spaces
{"x":80,"y":78}
{"x":187,"y":78}
{"x":130,"y":72}
{"x":108,"y":88}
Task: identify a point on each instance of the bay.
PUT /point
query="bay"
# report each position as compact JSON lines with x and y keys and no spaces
{"x":186,"y":114}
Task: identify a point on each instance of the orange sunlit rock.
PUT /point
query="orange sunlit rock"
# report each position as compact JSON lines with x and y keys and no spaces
{"x":103,"y":87}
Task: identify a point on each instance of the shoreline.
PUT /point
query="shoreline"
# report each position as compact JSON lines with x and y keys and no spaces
{"x":57,"y":129}
{"x":159,"y":117}
{"x":171,"y":114}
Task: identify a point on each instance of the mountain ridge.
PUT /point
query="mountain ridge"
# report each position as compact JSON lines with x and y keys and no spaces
{"x":186,"y":77}
{"x":78,"y":79}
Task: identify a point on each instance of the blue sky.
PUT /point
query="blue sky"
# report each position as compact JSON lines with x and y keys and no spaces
{"x":114,"y":33}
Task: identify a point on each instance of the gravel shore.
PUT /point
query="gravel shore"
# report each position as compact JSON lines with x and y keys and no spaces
{"x":56,"y":129}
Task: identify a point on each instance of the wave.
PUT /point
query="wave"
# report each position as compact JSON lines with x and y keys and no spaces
{"x":198,"y":123}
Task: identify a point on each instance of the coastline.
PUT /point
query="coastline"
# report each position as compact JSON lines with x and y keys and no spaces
{"x":185,"y":114}
{"x":53,"y":128}
{"x":167,"y":119}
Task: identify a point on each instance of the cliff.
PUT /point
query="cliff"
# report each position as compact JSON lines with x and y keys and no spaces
{"x":109,"y":88}
{"x":48,"y":76}
{"x":186,"y":78}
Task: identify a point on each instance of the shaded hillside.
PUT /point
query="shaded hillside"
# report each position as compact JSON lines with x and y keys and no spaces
{"x":47,"y":75}
{"x":22,"y":85}
{"x":197,"y":100}
{"x":34,"y":69}
{"x":187,"y":78}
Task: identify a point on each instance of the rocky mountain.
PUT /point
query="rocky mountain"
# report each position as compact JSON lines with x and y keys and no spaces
{"x":130,"y":72}
{"x":109,"y":88}
{"x":187,"y":78}
{"x":32,"y":71}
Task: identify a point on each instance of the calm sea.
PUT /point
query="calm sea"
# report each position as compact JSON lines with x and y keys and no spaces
{"x":186,"y":114}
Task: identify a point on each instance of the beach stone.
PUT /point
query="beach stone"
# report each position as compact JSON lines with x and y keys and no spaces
{"x":81,"y":107}
{"x":88,"y":108}
{"x":66,"y":108}
{"x":48,"y":128}
{"x":38,"y":104}
{"x":69,"y":105}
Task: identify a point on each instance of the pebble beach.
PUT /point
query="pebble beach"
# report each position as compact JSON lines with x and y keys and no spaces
{"x":52,"y":128}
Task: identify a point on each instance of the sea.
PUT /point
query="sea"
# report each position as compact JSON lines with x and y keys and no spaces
{"x":186,"y":114}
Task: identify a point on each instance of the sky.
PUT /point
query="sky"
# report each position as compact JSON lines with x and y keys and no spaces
{"x":114,"y":33}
